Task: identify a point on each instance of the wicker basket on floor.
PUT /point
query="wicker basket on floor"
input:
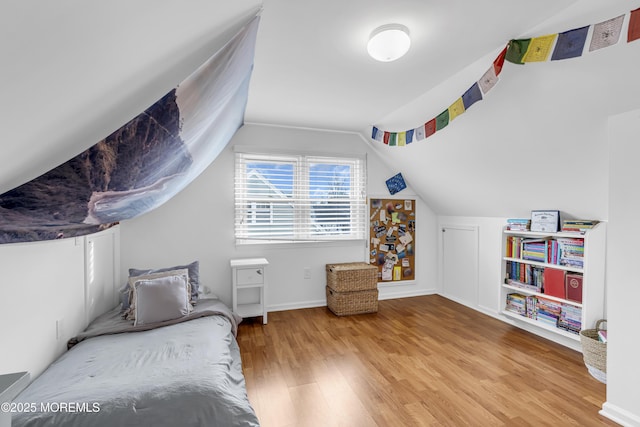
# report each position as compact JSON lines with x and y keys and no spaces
{"x":352,"y":276}
{"x":594,"y":352}
{"x":347,"y":303}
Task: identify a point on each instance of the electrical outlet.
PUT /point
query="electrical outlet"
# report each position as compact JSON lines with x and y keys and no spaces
{"x":307,"y":272}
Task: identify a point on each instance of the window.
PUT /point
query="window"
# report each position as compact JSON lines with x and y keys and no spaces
{"x":299,"y":198}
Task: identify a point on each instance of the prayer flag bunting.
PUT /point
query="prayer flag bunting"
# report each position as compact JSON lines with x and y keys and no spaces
{"x":430,"y":128}
{"x":606,"y":33}
{"x":442,"y":120}
{"x":517,"y":50}
{"x":402,"y":139}
{"x":634,"y":26}
{"x":539,"y":48}
{"x":488,"y":80}
{"x":409,"y":136}
{"x":498,"y":63}
{"x":471,"y":96}
{"x":570,"y":44}
{"x":456,"y":109}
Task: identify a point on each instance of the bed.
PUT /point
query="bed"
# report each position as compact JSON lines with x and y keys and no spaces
{"x":184,"y":371}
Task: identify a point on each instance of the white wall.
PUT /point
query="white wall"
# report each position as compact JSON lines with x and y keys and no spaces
{"x":42,"y":296}
{"x":623,"y":372}
{"x":198,"y":225}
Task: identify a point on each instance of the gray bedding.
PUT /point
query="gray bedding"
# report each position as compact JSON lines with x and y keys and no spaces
{"x":187,"y":373}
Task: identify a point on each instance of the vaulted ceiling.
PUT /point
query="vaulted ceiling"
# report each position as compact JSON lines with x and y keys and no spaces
{"x":75,"y":70}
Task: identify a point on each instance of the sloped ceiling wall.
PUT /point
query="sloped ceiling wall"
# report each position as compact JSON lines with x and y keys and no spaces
{"x":539,"y":138}
{"x":72,"y":69}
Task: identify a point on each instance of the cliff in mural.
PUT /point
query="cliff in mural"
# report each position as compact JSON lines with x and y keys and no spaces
{"x":145,"y":162}
{"x":145,"y":151}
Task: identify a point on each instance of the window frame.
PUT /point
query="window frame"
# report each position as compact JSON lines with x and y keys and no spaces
{"x":302,"y":210}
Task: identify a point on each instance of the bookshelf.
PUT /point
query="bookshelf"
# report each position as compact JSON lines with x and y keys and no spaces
{"x":533,"y":289}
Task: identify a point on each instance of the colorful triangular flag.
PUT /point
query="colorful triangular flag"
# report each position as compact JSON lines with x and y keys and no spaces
{"x":456,"y":109}
{"x":606,"y":33}
{"x":570,"y":44}
{"x":419,"y":133}
{"x":634,"y":26}
{"x":539,"y":48}
{"x":392,"y":138}
{"x":386,"y":137}
{"x":517,"y":50}
{"x":488,"y":80}
{"x":402,"y":139}
{"x":442,"y":120}
{"x":409,"y":136}
{"x":374,"y":132}
{"x":498,"y":63}
{"x":471,"y":96}
{"x":430,"y":128}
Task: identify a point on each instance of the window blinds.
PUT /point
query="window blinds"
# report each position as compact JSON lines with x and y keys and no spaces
{"x":299,"y":198}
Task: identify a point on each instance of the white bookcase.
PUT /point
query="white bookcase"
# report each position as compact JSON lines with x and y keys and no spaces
{"x":249,"y":278}
{"x":593,"y":283}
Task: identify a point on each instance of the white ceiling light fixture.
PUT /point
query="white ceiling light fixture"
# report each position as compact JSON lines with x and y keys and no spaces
{"x":389,"y":42}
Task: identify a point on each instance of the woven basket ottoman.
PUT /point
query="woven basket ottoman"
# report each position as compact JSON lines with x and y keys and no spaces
{"x":352,"y":288}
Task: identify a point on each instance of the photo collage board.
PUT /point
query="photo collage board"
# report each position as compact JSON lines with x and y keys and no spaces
{"x":392,"y":244}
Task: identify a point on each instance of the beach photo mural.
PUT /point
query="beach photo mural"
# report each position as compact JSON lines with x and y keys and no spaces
{"x":145,"y":162}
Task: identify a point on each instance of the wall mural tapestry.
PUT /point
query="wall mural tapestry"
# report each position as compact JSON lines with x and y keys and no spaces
{"x":144,"y":163}
{"x":569,"y":44}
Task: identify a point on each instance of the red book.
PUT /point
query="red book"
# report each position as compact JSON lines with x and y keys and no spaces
{"x":573,"y":287}
{"x":554,"y":282}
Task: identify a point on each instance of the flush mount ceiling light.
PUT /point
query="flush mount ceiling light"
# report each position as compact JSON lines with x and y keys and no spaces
{"x":389,"y":42}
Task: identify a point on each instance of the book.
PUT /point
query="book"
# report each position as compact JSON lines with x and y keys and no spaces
{"x":602,"y":336}
{"x":578,"y":225}
{"x":554,"y":282}
{"x":518,"y":224}
{"x":573,"y":287}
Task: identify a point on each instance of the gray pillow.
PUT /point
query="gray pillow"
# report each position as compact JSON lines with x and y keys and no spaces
{"x":160,"y":299}
{"x":194,"y":275}
{"x":130,"y":314}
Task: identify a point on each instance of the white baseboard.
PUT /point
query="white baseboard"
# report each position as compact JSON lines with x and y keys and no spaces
{"x":297,"y":305}
{"x":404,"y":294}
{"x":619,"y":415}
{"x":323,"y":302}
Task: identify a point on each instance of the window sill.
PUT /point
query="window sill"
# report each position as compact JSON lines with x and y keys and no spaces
{"x":299,"y":243}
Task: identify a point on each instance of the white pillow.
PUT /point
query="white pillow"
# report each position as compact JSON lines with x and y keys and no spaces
{"x":130,"y":314}
{"x":160,"y":299}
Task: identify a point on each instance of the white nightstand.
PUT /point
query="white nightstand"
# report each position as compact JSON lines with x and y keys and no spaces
{"x":10,"y":386}
{"x":249,"y":279}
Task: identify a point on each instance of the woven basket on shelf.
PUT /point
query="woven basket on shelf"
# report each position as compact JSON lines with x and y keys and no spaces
{"x":594,"y":352}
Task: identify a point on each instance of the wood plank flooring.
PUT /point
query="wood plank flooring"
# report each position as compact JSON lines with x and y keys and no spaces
{"x":423,"y":361}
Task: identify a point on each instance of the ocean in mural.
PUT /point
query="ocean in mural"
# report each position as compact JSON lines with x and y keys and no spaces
{"x":145,"y":162}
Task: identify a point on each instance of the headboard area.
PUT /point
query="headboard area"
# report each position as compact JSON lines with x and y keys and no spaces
{"x":50,"y":291}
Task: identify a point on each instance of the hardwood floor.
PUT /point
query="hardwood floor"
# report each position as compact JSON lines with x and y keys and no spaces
{"x":422,"y":361}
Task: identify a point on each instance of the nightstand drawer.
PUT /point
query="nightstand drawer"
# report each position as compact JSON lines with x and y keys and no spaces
{"x":250,"y":276}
